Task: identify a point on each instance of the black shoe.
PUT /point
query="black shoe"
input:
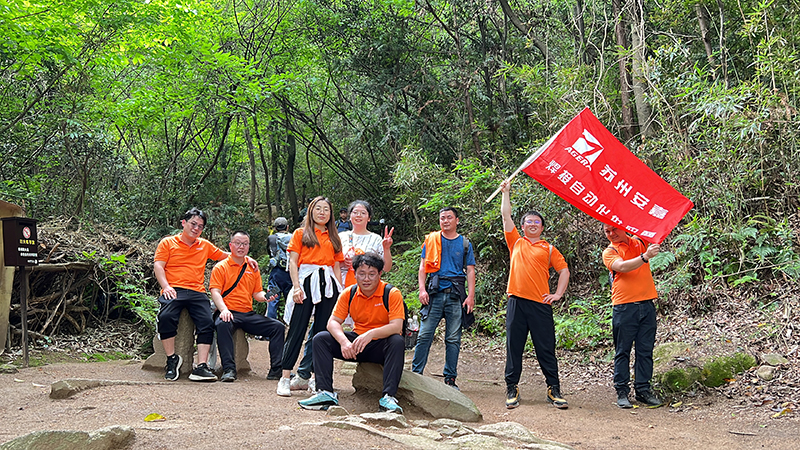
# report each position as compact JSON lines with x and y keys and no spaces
{"x":451,"y":381}
{"x":512,"y":396}
{"x":228,"y":375}
{"x":647,"y":398}
{"x":173,"y":368}
{"x":202,"y":373}
{"x":622,"y":400}
{"x":275,"y":373}
{"x":554,"y":397}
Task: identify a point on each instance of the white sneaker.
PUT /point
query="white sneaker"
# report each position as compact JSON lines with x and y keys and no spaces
{"x":298,"y":383}
{"x":312,"y":384}
{"x":284,"y":389}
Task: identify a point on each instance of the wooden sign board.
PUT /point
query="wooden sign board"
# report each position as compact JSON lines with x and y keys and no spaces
{"x":20,"y":244}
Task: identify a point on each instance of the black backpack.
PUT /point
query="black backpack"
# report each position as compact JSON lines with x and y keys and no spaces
{"x":386,"y":289}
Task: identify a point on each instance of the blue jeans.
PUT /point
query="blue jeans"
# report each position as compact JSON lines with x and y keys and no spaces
{"x":447,"y":306}
{"x":280,"y":279}
{"x":633,"y":322}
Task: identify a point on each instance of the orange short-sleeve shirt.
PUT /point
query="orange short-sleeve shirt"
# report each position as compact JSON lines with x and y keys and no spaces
{"x":369,"y":313}
{"x":636,"y":285}
{"x":321,"y":255}
{"x":530,"y":266}
{"x":186,"y":264}
{"x":225,"y":274}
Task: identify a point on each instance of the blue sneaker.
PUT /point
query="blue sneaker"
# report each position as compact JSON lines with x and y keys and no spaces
{"x":320,"y":401}
{"x":389,"y":403}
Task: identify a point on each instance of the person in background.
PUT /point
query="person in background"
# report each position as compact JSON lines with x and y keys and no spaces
{"x":530,"y":302}
{"x":343,"y":224}
{"x":315,"y":252}
{"x":279,"y":280}
{"x":633,"y":317}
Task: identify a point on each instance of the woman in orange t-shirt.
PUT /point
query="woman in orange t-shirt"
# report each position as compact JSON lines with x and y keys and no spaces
{"x":315,"y":252}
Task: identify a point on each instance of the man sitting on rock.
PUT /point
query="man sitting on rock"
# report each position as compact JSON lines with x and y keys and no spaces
{"x":234,"y":285}
{"x":376,"y":336}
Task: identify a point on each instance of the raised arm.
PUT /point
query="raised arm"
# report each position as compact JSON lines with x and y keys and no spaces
{"x":505,"y":207}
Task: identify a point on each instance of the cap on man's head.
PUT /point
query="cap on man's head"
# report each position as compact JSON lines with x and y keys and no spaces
{"x":281,"y":223}
{"x":342,"y":210}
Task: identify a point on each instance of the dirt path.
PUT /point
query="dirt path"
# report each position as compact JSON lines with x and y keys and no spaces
{"x":248,"y":413}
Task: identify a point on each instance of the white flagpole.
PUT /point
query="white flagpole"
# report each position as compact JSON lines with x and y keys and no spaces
{"x":529,"y":161}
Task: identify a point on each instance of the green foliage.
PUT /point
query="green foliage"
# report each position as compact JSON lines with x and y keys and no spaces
{"x":587,"y":325}
{"x":678,"y":380}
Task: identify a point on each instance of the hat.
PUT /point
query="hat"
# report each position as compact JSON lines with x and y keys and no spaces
{"x":281,"y":223}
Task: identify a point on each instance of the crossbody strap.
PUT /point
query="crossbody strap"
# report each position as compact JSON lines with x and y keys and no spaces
{"x":230,"y":289}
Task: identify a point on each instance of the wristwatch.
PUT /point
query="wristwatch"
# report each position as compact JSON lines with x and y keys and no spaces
{"x":643,"y":258}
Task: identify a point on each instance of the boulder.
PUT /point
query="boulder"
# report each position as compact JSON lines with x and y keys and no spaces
{"x":432,"y":397}
{"x":184,"y":346}
{"x":108,"y":438}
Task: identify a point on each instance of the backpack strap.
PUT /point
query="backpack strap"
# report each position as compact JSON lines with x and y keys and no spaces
{"x":386,"y":289}
{"x":466,"y":250}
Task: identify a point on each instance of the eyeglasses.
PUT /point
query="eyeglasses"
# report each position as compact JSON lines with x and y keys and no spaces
{"x":367,"y":275}
{"x":533,"y":222}
{"x":358,"y":213}
{"x":240,"y":244}
{"x":197,"y":225}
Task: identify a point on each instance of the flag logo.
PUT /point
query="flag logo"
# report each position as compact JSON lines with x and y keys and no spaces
{"x":586,"y":149}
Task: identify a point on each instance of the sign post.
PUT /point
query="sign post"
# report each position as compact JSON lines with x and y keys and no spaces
{"x":20,"y":245}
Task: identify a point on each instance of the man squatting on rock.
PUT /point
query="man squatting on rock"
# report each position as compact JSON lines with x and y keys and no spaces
{"x":376,"y":336}
{"x":634,"y":313}
{"x":180,"y":263}
{"x":235,"y":306}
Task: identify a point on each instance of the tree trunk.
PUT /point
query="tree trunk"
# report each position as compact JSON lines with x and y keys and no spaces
{"x":264,"y":167}
{"x":702,"y":18}
{"x":251,"y":156}
{"x":643,"y":112}
{"x":581,"y":26}
{"x":624,"y":76}
{"x":291,"y":154}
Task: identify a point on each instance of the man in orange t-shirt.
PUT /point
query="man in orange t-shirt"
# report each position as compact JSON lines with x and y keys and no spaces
{"x":529,"y":307}
{"x":376,"y":336}
{"x":634,"y":313}
{"x":234,"y":302}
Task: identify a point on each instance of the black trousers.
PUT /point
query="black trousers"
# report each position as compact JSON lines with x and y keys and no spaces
{"x":388,"y":351}
{"x":255,"y":324}
{"x":633,"y":322}
{"x":199,"y":308}
{"x":301,"y":315}
{"x":523,"y":317}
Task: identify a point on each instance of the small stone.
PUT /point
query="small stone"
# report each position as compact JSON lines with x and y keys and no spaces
{"x":337,"y":411}
{"x":774,"y":359}
{"x":766,"y":373}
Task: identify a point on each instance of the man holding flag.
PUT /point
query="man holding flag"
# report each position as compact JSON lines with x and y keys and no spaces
{"x":634,"y":314}
{"x":530,"y":302}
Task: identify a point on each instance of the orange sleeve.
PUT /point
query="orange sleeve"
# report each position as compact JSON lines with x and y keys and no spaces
{"x":511,"y":238}
{"x":342,"y":308}
{"x":162,"y":251}
{"x":609,"y":256}
{"x":296,"y":243}
{"x":217,"y":277}
{"x":557,"y":260}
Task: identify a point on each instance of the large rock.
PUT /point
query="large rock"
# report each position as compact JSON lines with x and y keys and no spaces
{"x":115,"y":437}
{"x":184,"y":346}
{"x":434,"y":398}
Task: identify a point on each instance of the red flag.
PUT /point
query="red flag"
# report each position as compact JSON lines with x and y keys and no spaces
{"x":587,"y":166}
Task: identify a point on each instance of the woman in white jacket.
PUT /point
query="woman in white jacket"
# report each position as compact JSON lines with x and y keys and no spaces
{"x":315,"y":252}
